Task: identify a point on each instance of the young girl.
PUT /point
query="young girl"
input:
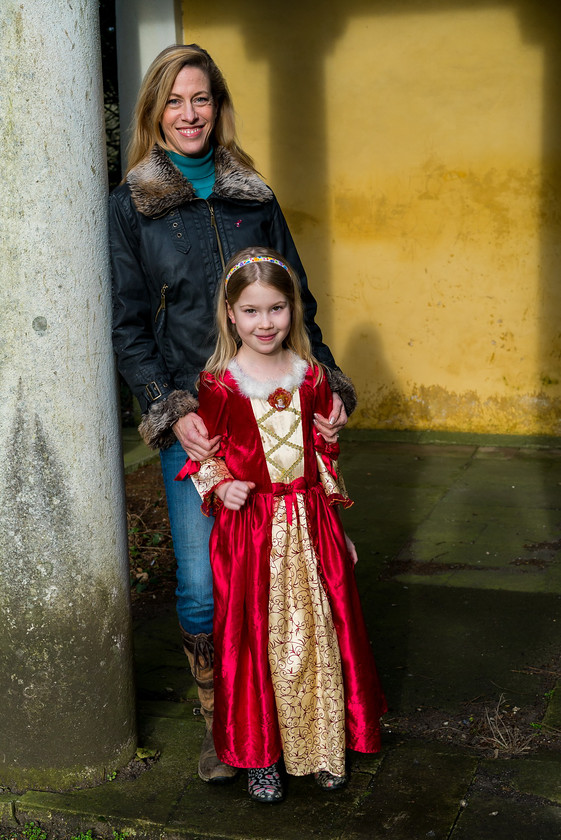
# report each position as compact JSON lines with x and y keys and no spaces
{"x":293,"y":670}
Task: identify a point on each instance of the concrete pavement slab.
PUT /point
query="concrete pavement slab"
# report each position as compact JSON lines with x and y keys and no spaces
{"x":145,"y":803}
{"x":490,"y":817}
{"x":417,"y":794}
{"x":160,"y":663}
{"x":306,"y":812}
{"x":445,"y":646}
{"x":537,"y":775}
{"x":135,"y":452}
{"x":7,"y":809}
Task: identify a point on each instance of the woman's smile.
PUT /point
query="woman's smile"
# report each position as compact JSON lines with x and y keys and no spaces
{"x":191,"y":132}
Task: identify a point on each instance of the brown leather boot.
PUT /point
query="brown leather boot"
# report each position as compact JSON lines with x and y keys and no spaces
{"x":200,"y":653}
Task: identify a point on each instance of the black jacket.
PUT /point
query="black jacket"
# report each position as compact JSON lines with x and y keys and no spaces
{"x":168,"y":248}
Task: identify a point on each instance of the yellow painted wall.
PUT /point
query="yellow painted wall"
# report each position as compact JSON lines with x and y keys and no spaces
{"x":415,"y":149}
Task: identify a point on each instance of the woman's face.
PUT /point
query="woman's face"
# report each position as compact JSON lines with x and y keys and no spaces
{"x":190,"y":113}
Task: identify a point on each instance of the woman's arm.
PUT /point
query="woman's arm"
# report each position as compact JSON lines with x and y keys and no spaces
{"x":192,"y":434}
{"x":138,"y":357}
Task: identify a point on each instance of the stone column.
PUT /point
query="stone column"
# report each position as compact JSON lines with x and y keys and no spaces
{"x":66,"y":691}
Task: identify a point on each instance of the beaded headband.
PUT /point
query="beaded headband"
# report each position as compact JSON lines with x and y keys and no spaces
{"x":252,"y":260}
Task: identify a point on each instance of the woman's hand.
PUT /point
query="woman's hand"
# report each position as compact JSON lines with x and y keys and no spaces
{"x":192,"y":434}
{"x":234,"y":493}
{"x":352,"y":550}
{"x":329,"y":428}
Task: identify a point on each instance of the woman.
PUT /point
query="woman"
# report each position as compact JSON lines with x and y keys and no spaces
{"x":190,"y":199}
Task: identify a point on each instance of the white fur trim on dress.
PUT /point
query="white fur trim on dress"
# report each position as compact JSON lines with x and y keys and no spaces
{"x":260,"y":390}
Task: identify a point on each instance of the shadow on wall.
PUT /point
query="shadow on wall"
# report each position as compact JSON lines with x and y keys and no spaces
{"x":375,"y":400}
{"x":295,"y":41}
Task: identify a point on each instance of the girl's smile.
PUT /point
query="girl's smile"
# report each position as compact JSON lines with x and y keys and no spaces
{"x":262,"y":317}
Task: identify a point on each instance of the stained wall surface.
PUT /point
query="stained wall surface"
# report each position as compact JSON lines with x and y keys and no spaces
{"x":415,"y":150}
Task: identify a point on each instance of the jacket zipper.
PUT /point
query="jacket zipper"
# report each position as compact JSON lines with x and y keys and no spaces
{"x":215,"y":227}
{"x":162,"y":305}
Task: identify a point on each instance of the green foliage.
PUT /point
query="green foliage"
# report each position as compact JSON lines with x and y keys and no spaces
{"x":33,"y":832}
{"x":143,"y":753}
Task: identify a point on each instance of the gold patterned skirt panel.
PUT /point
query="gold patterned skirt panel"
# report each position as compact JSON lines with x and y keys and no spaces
{"x":303,"y":650}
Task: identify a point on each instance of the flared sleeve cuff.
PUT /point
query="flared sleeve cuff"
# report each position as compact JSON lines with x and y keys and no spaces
{"x":332,"y":481}
{"x":156,"y":426}
{"x":207,"y":476}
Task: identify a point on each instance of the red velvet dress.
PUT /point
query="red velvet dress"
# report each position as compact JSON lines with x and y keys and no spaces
{"x":274,"y":692}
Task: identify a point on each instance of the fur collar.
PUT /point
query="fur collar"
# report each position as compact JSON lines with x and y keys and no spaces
{"x":260,"y":390}
{"x":157,"y":186}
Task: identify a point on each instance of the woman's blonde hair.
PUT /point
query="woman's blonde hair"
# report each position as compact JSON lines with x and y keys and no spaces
{"x":284,"y":279}
{"x":154,"y":94}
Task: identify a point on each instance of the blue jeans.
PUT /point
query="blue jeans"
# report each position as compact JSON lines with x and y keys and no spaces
{"x":190,"y":531}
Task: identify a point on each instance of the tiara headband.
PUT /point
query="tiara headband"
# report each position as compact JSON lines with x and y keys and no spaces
{"x":252,"y":260}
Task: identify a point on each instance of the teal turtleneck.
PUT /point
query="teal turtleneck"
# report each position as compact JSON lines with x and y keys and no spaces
{"x":199,"y":171}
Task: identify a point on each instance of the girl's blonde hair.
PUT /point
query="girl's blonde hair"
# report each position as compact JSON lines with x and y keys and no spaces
{"x":284,"y":279}
{"x":154,"y":94}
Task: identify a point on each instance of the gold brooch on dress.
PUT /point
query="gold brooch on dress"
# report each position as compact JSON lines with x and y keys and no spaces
{"x":279,"y":399}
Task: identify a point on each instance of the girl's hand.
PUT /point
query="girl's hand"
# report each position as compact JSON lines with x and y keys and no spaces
{"x":234,"y":493}
{"x":192,"y":434}
{"x":329,"y":428}
{"x":352,"y":550}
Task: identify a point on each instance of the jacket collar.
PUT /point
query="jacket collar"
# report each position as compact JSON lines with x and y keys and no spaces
{"x":157,"y":186}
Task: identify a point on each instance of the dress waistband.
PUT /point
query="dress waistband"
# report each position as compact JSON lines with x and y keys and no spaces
{"x":289,"y":492}
{"x":299,"y":485}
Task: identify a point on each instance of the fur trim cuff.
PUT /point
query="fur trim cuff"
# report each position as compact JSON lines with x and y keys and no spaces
{"x":342,"y":385}
{"x":156,"y":425}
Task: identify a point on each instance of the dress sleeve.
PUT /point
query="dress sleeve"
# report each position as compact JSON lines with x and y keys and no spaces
{"x":210,"y":474}
{"x":327,"y":454}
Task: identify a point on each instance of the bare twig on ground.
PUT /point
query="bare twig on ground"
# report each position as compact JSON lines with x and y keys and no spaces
{"x":503,"y":735}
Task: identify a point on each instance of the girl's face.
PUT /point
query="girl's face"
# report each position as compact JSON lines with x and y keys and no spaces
{"x":190,"y":113}
{"x":262,"y":317}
